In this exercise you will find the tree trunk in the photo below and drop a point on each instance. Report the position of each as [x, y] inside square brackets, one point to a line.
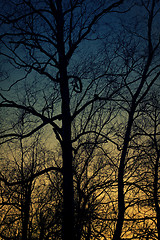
[121, 203]
[25, 210]
[68, 193]
[155, 193]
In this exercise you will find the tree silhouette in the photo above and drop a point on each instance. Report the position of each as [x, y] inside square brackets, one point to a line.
[82, 71]
[142, 62]
[42, 37]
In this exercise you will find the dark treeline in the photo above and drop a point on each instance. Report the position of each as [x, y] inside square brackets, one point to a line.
[80, 119]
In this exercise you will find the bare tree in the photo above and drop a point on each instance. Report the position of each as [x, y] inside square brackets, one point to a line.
[41, 37]
[91, 182]
[139, 55]
[148, 134]
[48, 82]
[16, 199]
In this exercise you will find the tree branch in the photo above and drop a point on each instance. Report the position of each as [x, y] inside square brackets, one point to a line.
[31, 178]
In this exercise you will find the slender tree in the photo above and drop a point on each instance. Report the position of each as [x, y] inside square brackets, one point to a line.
[143, 71]
[148, 129]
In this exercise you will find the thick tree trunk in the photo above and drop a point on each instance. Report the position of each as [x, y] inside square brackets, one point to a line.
[68, 193]
[25, 211]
